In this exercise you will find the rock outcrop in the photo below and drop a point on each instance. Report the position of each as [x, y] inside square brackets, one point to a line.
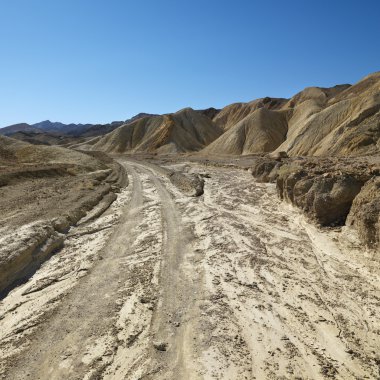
[189, 183]
[265, 169]
[365, 212]
[331, 191]
[326, 198]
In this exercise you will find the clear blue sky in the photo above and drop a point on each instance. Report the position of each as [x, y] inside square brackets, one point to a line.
[104, 60]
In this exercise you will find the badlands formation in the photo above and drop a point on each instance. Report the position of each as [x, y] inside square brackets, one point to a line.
[240, 243]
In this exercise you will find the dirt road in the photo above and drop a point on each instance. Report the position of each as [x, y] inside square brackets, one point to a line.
[230, 285]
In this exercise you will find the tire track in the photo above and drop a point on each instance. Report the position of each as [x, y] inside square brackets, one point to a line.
[180, 288]
[58, 349]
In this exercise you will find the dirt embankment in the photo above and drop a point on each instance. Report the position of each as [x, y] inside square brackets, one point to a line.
[39, 202]
[332, 191]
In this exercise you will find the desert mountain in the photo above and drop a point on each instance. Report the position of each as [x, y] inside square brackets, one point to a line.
[342, 120]
[234, 113]
[59, 131]
[184, 131]
[72, 128]
[20, 127]
[45, 126]
[261, 131]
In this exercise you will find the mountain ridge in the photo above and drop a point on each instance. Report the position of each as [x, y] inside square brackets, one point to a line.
[339, 120]
[72, 129]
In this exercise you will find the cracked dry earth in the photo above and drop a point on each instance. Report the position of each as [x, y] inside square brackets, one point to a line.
[230, 285]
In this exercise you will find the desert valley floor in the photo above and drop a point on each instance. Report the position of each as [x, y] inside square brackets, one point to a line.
[233, 284]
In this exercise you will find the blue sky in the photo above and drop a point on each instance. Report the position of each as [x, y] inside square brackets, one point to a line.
[103, 60]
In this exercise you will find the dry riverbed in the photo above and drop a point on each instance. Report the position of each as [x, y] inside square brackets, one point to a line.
[233, 284]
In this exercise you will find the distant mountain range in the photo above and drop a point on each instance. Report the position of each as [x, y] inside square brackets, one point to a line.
[73, 130]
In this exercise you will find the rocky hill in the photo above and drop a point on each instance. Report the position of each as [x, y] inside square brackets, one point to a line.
[260, 131]
[20, 127]
[184, 131]
[234, 113]
[342, 120]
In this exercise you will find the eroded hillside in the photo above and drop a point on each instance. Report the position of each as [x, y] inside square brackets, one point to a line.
[43, 192]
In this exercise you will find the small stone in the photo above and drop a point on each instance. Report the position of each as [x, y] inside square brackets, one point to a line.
[144, 299]
[160, 346]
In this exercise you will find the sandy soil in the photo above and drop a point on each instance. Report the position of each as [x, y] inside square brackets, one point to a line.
[230, 285]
